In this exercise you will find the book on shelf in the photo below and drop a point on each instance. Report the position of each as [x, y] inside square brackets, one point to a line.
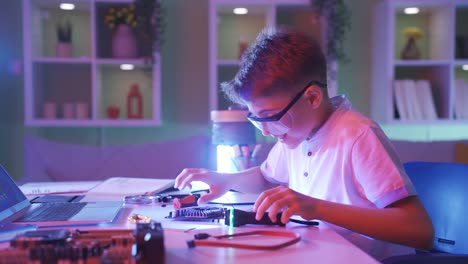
[424, 92]
[414, 100]
[400, 100]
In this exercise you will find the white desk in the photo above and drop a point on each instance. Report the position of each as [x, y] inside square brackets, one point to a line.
[319, 244]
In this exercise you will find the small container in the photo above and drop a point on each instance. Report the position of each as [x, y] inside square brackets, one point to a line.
[231, 127]
[49, 110]
[82, 111]
[232, 134]
[68, 110]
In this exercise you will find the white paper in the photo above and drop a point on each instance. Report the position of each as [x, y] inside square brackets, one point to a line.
[128, 186]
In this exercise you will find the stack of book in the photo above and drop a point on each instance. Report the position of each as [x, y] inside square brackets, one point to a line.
[414, 100]
[461, 99]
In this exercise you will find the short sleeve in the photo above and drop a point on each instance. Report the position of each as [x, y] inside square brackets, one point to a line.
[274, 168]
[378, 169]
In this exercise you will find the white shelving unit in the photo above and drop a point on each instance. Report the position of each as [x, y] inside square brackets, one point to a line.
[227, 29]
[443, 22]
[91, 77]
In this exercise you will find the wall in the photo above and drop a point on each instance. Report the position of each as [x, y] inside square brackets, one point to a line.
[184, 80]
[184, 86]
[354, 77]
[11, 87]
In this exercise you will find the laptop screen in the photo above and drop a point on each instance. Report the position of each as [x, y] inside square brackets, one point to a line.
[12, 198]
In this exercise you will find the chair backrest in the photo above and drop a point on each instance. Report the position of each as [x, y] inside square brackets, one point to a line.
[443, 190]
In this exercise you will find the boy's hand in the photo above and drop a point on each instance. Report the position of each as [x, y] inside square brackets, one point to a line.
[215, 180]
[283, 199]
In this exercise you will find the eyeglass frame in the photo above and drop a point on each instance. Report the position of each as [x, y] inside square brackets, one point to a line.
[280, 114]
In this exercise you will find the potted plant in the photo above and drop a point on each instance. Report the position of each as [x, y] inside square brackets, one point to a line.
[411, 50]
[338, 18]
[64, 48]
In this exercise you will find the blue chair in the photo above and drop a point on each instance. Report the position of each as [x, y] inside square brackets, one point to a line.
[443, 190]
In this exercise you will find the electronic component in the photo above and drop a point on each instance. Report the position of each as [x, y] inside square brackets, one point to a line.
[149, 243]
[236, 217]
[196, 213]
[231, 216]
[29, 238]
[145, 244]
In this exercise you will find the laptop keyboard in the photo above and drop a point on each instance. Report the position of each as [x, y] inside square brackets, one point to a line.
[52, 212]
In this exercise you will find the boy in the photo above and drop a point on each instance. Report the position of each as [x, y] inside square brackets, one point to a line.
[330, 162]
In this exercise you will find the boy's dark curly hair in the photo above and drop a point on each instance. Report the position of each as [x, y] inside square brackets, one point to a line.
[277, 62]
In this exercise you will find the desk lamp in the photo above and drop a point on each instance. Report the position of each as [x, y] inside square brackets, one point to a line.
[234, 137]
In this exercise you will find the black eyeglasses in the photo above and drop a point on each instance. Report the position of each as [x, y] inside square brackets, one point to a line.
[281, 113]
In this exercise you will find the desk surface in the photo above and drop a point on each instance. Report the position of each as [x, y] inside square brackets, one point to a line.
[319, 244]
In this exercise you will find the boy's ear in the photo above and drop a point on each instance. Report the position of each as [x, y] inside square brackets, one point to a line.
[314, 96]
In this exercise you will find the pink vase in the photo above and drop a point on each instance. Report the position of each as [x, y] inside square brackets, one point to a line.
[124, 42]
[64, 50]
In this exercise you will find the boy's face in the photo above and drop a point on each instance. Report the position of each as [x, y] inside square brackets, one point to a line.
[289, 118]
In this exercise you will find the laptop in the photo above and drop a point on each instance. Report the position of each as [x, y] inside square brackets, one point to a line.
[16, 208]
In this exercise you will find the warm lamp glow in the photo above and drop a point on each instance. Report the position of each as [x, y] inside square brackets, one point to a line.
[67, 6]
[240, 11]
[223, 159]
[465, 67]
[411, 10]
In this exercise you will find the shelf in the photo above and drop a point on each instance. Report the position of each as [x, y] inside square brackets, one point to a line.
[62, 60]
[433, 20]
[437, 62]
[422, 63]
[115, 85]
[77, 89]
[227, 31]
[93, 123]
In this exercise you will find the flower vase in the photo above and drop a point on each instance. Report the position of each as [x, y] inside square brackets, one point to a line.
[411, 50]
[124, 42]
[64, 50]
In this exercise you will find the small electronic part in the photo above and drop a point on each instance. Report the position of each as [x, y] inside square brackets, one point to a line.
[138, 218]
[235, 217]
[149, 243]
[197, 213]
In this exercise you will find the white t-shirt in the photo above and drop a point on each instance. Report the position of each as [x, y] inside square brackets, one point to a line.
[350, 161]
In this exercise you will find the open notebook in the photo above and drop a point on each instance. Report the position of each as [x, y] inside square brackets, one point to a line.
[16, 208]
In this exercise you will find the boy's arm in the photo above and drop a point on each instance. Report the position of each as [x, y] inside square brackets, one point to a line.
[403, 222]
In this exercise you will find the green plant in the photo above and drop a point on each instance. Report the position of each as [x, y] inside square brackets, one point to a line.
[64, 32]
[338, 17]
[151, 23]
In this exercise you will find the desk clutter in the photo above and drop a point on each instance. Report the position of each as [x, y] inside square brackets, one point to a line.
[145, 244]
